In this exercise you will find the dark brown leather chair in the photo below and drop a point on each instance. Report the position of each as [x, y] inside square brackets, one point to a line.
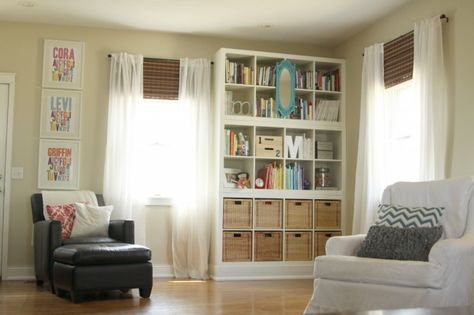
[76, 264]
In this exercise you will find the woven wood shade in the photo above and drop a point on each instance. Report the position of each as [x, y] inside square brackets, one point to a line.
[160, 79]
[398, 60]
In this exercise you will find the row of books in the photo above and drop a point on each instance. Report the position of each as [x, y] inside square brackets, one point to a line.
[266, 75]
[327, 110]
[303, 109]
[266, 107]
[294, 177]
[238, 73]
[328, 80]
[272, 176]
[304, 79]
[236, 143]
[241, 73]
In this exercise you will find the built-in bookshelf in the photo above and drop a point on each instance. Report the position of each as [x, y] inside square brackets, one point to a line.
[283, 177]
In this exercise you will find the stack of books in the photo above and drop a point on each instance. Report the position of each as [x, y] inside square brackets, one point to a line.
[304, 79]
[328, 80]
[266, 75]
[238, 73]
[294, 176]
[272, 176]
[266, 107]
[327, 110]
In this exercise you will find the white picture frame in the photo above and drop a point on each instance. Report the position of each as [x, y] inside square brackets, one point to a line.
[63, 64]
[230, 177]
[61, 114]
[58, 164]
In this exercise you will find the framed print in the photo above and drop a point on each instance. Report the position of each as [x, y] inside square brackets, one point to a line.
[61, 114]
[230, 177]
[58, 164]
[63, 64]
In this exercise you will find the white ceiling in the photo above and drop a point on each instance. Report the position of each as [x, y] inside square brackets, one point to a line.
[322, 22]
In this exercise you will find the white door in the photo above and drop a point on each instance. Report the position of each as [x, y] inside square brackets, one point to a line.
[4, 89]
[7, 86]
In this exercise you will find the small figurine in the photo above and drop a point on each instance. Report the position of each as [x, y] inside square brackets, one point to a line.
[243, 180]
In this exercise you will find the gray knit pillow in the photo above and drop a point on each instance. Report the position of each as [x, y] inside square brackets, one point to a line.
[399, 243]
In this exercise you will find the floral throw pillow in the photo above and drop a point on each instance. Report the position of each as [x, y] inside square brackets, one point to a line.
[66, 214]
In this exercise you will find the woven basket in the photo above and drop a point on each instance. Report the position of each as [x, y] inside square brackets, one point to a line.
[298, 246]
[328, 214]
[299, 214]
[320, 239]
[237, 214]
[237, 246]
[268, 246]
[268, 213]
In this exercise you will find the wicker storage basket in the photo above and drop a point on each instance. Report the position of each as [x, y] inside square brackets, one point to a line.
[320, 239]
[298, 246]
[237, 214]
[268, 246]
[299, 214]
[237, 246]
[328, 214]
[268, 213]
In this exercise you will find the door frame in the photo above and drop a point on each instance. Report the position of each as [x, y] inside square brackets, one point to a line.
[7, 78]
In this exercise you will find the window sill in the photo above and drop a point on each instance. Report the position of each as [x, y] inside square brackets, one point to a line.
[159, 201]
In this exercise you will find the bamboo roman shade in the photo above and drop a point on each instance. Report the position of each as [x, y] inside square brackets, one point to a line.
[398, 60]
[160, 78]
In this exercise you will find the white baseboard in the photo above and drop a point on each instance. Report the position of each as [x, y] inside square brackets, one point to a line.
[262, 271]
[28, 273]
[221, 272]
[163, 271]
[19, 273]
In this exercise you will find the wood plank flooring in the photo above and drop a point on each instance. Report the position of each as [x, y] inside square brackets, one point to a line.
[168, 297]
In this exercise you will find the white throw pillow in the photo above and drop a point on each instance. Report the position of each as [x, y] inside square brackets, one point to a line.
[91, 220]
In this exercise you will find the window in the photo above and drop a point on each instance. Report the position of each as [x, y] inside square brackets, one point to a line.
[157, 150]
[402, 123]
[402, 113]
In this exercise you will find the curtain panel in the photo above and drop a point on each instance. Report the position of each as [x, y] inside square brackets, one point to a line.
[191, 211]
[125, 92]
[369, 182]
[429, 77]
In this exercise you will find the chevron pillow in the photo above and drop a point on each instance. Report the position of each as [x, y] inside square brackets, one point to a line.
[408, 217]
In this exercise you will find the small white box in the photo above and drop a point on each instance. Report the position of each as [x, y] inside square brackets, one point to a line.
[325, 155]
[324, 145]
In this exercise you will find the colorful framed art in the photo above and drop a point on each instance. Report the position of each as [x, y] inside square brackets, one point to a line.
[61, 114]
[63, 64]
[58, 164]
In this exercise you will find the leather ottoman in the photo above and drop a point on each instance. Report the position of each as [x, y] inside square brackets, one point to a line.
[82, 268]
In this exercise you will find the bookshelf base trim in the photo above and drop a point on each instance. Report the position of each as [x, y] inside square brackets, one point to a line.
[261, 271]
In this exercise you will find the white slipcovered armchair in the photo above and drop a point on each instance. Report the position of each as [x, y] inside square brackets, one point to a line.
[344, 281]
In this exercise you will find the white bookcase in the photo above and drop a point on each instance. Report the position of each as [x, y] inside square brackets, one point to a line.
[306, 214]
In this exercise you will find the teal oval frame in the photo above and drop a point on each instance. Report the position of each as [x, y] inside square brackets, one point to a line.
[285, 111]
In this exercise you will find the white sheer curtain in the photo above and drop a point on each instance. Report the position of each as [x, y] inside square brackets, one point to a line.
[369, 182]
[191, 213]
[125, 91]
[430, 85]
[376, 165]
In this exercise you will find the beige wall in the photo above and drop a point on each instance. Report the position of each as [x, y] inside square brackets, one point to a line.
[459, 52]
[21, 52]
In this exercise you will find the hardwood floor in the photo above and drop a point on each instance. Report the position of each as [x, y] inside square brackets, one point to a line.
[168, 297]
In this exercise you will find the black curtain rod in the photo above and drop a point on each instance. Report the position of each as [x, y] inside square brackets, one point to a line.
[110, 55]
[441, 17]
